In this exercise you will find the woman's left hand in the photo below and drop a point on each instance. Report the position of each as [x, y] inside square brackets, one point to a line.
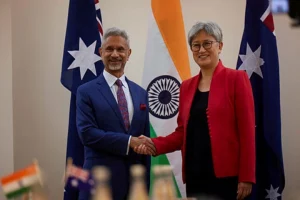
[244, 189]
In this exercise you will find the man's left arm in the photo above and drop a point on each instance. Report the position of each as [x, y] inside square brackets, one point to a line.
[147, 158]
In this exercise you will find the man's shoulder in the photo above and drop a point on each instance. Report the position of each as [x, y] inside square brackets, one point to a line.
[90, 85]
[136, 86]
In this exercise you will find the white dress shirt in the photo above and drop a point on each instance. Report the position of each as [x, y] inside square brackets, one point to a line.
[111, 80]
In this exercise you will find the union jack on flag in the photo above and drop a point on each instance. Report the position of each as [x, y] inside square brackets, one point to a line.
[78, 178]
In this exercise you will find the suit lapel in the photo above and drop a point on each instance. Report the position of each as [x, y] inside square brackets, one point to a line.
[215, 86]
[135, 100]
[190, 96]
[107, 94]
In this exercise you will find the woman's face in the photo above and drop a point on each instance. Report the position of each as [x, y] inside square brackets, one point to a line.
[206, 50]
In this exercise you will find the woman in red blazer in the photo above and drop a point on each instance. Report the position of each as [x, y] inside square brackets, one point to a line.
[216, 126]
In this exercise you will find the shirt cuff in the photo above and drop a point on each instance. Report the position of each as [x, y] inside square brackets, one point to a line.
[128, 145]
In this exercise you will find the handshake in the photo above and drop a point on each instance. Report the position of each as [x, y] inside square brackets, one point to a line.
[143, 145]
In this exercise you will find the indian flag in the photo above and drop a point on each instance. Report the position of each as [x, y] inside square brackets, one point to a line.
[21, 181]
[166, 66]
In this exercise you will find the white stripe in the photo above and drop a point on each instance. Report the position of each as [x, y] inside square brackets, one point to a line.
[21, 183]
[30, 180]
[10, 187]
[266, 13]
[97, 6]
[101, 37]
[98, 20]
[158, 62]
[100, 34]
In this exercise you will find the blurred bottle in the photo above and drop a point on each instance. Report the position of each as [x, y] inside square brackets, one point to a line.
[170, 185]
[138, 189]
[159, 189]
[163, 188]
[101, 176]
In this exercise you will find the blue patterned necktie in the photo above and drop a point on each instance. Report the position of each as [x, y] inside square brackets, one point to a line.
[122, 103]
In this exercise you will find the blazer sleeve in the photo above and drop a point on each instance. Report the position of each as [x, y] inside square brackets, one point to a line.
[245, 114]
[91, 135]
[173, 141]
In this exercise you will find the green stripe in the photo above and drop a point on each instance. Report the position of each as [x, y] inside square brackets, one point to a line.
[17, 193]
[160, 160]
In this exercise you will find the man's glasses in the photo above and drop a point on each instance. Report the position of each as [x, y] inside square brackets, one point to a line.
[206, 45]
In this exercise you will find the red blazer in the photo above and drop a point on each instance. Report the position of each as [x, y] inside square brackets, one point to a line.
[231, 123]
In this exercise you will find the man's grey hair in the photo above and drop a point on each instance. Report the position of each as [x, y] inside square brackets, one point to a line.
[115, 32]
[210, 28]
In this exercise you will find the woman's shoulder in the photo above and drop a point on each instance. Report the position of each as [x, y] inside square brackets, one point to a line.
[233, 72]
[190, 81]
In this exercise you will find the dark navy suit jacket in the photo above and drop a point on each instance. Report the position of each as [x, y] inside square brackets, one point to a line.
[102, 131]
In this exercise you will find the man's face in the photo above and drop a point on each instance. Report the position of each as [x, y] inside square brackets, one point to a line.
[115, 53]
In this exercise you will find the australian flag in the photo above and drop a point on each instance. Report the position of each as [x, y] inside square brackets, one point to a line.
[81, 63]
[78, 178]
[259, 58]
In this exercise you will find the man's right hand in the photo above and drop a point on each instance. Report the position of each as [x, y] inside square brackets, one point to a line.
[143, 145]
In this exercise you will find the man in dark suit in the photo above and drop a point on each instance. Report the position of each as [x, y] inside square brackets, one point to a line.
[112, 112]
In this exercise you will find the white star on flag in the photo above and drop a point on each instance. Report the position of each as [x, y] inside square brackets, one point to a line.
[272, 193]
[252, 62]
[85, 58]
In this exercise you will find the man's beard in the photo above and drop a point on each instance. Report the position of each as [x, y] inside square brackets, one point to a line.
[115, 67]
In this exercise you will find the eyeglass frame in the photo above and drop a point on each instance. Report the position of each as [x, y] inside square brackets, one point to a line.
[210, 42]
